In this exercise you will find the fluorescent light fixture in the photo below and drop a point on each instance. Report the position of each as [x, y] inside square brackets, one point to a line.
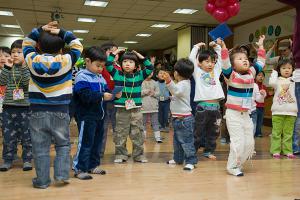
[160, 25]
[10, 26]
[80, 31]
[95, 3]
[185, 11]
[6, 13]
[83, 19]
[130, 42]
[15, 35]
[143, 35]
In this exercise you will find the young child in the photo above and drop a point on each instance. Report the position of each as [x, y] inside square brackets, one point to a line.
[129, 116]
[15, 76]
[90, 91]
[260, 103]
[50, 92]
[240, 75]
[284, 109]
[164, 102]
[150, 94]
[208, 117]
[4, 59]
[183, 120]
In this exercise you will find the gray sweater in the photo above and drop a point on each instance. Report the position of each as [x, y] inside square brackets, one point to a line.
[180, 100]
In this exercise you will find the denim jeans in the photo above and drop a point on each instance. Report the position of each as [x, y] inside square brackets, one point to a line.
[260, 121]
[163, 113]
[110, 117]
[89, 144]
[254, 117]
[44, 126]
[183, 142]
[296, 137]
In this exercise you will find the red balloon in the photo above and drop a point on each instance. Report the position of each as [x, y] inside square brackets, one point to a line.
[221, 15]
[230, 2]
[210, 8]
[221, 3]
[234, 9]
[211, 1]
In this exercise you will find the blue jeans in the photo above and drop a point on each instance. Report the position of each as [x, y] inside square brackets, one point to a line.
[260, 121]
[296, 146]
[110, 116]
[43, 126]
[183, 142]
[163, 113]
[254, 117]
[89, 144]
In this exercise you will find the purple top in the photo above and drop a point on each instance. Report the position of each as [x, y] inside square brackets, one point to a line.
[296, 41]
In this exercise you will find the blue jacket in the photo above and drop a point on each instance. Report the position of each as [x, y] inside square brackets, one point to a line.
[88, 94]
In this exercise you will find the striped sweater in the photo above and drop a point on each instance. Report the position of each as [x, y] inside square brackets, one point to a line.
[240, 86]
[133, 82]
[50, 86]
[11, 78]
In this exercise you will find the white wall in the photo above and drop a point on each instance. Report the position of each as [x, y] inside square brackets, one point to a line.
[284, 19]
[7, 41]
[184, 43]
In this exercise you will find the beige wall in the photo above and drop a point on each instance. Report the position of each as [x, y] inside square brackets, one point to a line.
[184, 43]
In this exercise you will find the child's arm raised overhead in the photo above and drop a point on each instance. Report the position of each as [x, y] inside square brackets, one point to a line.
[4, 75]
[273, 60]
[261, 56]
[109, 63]
[226, 65]
[147, 63]
[217, 49]
[193, 54]
[273, 79]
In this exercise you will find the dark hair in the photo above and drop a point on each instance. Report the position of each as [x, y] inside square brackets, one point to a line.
[262, 73]
[5, 49]
[246, 48]
[108, 45]
[130, 56]
[234, 52]
[284, 62]
[203, 55]
[94, 53]
[184, 67]
[50, 43]
[16, 44]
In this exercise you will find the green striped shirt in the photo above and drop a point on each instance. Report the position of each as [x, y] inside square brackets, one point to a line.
[132, 83]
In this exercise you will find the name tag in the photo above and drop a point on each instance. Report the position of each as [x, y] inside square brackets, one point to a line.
[162, 98]
[130, 104]
[18, 94]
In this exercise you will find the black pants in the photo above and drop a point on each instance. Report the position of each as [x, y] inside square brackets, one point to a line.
[207, 128]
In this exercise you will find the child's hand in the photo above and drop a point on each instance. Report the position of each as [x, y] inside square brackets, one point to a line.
[260, 42]
[107, 96]
[54, 31]
[50, 25]
[166, 76]
[117, 51]
[153, 59]
[9, 62]
[138, 55]
[263, 92]
[151, 93]
[118, 95]
[221, 43]
[201, 44]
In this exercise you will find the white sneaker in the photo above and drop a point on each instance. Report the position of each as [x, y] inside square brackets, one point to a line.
[119, 161]
[171, 162]
[235, 172]
[189, 167]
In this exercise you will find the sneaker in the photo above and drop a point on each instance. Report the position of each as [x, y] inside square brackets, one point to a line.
[290, 156]
[235, 171]
[223, 141]
[171, 162]
[119, 160]
[5, 166]
[143, 160]
[189, 167]
[260, 135]
[158, 140]
[27, 166]
[296, 153]
[97, 170]
[83, 176]
[276, 156]
[36, 185]
[61, 181]
[210, 156]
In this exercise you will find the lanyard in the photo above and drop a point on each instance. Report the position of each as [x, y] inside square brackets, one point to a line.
[14, 78]
[131, 87]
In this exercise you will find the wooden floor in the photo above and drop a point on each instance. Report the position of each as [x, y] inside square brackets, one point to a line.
[264, 178]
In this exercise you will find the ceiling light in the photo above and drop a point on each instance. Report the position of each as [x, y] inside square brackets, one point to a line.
[96, 3]
[10, 26]
[82, 19]
[15, 35]
[185, 11]
[143, 35]
[80, 31]
[6, 13]
[130, 42]
[160, 25]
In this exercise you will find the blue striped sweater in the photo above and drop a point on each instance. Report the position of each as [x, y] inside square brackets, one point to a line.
[50, 86]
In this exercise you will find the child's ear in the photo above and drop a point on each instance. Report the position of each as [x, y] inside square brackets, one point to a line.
[87, 60]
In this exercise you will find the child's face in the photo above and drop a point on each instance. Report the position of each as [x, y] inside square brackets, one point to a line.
[260, 77]
[286, 70]
[3, 58]
[207, 65]
[241, 63]
[128, 66]
[95, 66]
[160, 75]
[17, 56]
